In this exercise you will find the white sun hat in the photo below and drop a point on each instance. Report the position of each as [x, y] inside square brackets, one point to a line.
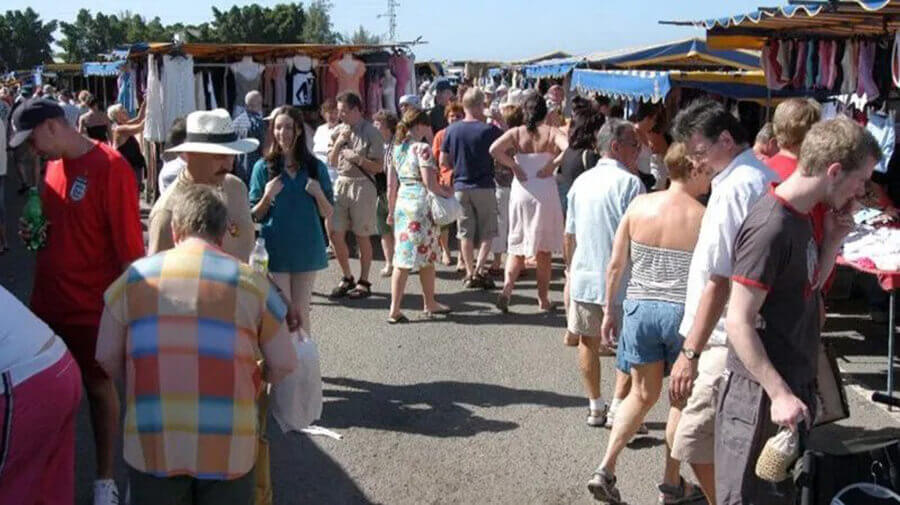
[211, 132]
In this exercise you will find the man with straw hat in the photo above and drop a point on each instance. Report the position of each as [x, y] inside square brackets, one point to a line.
[209, 149]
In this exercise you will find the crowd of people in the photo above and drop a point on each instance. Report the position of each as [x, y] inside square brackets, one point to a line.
[660, 225]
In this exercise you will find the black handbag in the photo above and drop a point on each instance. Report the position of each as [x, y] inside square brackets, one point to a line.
[820, 476]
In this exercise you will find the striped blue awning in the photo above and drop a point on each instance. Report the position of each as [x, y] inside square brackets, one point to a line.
[101, 68]
[845, 18]
[551, 68]
[643, 85]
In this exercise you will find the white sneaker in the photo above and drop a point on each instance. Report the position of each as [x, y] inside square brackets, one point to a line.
[611, 417]
[597, 417]
[106, 492]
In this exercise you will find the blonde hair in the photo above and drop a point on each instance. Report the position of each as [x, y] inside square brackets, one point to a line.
[113, 111]
[677, 162]
[473, 98]
[792, 120]
[837, 141]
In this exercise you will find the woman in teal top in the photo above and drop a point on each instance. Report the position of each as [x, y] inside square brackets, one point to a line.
[290, 191]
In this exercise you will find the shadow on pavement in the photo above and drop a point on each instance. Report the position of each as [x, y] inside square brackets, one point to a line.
[432, 409]
[304, 474]
[838, 439]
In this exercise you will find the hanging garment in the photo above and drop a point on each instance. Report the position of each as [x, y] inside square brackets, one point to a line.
[153, 124]
[810, 79]
[771, 67]
[389, 92]
[279, 76]
[247, 77]
[783, 57]
[126, 91]
[787, 71]
[822, 53]
[895, 60]
[881, 69]
[200, 92]
[210, 92]
[866, 83]
[373, 95]
[178, 89]
[349, 73]
[848, 68]
[400, 68]
[882, 127]
[799, 78]
[302, 91]
[268, 86]
[302, 63]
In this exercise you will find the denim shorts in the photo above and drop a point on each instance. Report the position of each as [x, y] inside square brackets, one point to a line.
[650, 333]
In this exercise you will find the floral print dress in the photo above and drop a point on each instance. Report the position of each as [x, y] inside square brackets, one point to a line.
[414, 232]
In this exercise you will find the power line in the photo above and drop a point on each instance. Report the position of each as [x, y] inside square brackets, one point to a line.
[391, 15]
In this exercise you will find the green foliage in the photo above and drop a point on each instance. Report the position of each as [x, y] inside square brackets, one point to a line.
[24, 40]
[362, 37]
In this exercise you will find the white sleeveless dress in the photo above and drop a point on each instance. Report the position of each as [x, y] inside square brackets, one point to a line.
[535, 214]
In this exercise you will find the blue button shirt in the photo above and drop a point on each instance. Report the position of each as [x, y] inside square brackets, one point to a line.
[292, 228]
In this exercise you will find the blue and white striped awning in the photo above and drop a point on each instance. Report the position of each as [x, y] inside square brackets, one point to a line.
[552, 68]
[643, 85]
[101, 68]
[843, 18]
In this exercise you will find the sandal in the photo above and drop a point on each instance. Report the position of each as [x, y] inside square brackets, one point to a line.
[343, 288]
[363, 289]
[674, 495]
[430, 314]
[398, 320]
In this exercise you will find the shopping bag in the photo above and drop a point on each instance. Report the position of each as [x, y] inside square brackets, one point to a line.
[444, 210]
[296, 400]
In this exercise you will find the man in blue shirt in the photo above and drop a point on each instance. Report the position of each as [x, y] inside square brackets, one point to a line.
[596, 203]
[466, 148]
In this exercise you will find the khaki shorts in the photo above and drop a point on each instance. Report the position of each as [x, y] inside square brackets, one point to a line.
[479, 218]
[355, 201]
[584, 319]
[695, 436]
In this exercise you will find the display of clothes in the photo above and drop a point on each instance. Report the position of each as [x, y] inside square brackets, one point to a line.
[882, 127]
[247, 77]
[127, 96]
[303, 80]
[154, 130]
[389, 92]
[853, 66]
[348, 73]
[274, 84]
[178, 95]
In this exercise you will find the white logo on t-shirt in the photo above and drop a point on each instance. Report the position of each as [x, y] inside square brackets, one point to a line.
[79, 189]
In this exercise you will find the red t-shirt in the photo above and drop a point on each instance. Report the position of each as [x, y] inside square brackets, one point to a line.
[784, 166]
[95, 232]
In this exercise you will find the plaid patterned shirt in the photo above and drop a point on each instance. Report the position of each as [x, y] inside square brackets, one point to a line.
[195, 319]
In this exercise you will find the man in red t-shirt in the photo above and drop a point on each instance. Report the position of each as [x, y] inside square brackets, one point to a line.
[90, 201]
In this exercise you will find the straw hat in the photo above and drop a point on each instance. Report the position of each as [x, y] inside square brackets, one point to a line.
[212, 132]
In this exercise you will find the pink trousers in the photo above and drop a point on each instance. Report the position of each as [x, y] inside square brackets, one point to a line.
[37, 436]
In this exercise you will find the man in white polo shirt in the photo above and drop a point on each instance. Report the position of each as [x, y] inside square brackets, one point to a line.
[715, 140]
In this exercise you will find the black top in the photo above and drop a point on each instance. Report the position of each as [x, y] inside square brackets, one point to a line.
[438, 121]
[574, 163]
[99, 132]
[131, 151]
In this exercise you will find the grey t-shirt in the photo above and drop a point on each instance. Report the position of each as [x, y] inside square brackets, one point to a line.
[775, 251]
[368, 142]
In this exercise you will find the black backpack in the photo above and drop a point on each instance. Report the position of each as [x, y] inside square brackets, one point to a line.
[820, 476]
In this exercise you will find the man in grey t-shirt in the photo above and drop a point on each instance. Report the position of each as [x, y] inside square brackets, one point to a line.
[773, 314]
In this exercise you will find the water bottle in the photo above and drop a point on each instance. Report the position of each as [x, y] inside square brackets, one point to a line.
[259, 258]
[33, 215]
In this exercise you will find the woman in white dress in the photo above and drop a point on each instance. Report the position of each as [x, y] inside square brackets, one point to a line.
[535, 214]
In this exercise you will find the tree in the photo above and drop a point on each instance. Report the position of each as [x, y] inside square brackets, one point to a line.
[282, 24]
[317, 28]
[363, 37]
[26, 40]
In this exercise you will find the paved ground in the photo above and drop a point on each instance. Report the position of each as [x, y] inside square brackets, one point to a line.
[475, 408]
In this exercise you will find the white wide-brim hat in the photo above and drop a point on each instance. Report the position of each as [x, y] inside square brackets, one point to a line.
[211, 132]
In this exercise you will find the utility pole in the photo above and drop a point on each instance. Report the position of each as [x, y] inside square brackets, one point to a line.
[391, 14]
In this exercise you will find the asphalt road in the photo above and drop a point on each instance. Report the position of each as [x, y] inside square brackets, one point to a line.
[474, 408]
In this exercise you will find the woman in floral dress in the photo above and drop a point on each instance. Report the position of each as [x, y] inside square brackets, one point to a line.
[412, 174]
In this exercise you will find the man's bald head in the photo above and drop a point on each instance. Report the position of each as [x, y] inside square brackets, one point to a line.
[254, 101]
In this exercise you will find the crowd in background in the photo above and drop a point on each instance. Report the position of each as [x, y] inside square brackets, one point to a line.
[658, 222]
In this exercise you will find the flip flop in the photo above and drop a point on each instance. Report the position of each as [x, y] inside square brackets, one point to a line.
[398, 320]
[440, 312]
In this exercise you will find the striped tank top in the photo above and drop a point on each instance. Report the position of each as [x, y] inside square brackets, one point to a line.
[658, 273]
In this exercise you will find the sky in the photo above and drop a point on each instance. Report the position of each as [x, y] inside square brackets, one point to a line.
[483, 30]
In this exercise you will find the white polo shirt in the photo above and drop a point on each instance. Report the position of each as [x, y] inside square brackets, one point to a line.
[734, 190]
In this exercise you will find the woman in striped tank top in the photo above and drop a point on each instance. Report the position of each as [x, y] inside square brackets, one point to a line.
[651, 256]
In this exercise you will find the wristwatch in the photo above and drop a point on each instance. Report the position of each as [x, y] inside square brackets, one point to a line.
[690, 353]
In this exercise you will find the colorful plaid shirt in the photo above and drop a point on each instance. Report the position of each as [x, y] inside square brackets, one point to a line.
[195, 319]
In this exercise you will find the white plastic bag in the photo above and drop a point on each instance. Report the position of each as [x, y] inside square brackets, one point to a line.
[296, 401]
[444, 210]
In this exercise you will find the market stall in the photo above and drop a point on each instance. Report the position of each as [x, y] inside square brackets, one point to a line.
[843, 53]
[178, 79]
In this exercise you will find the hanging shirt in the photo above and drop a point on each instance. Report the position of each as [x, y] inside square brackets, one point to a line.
[178, 90]
[349, 73]
[302, 91]
[153, 124]
[247, 77]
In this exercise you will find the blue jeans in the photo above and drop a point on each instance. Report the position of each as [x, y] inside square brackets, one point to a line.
[650, 333]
